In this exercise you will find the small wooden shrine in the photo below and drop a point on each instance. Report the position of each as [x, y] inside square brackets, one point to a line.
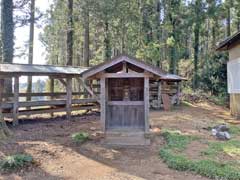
[124, 97]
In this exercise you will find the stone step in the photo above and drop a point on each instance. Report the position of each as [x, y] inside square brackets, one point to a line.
[130, 138]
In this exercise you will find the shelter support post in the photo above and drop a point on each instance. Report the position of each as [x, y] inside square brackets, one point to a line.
[103, 102]
[69, 97]
[52, 91]
[159, 95]
[2, 122]
[146, 103]
[1, 97]
[178, 92]
[16, 100]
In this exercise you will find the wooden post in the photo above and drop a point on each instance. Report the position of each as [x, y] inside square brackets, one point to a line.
[178, 92]
[159, 95]
[146, 103]
[125, 70]
[15, 100]
[103, 102]
[69, 97]
[52, 91]
[1, 92]
[4, 131]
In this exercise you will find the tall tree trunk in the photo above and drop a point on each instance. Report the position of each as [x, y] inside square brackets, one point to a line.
[228, 20]
[237, 9]
[86, 54]
[172, 67]
[196, 43]
[140, 23]
[70, 33]
[196, 54]
[123, 29]
[7, 35]
[173, 57]
[107, 47]
[31, 41]
[213, 36]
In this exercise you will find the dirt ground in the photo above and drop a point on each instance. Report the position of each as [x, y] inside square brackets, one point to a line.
[57, 157]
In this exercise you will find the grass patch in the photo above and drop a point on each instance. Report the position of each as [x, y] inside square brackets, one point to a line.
[16, 161]
[232, 148]
[171, 155]
[176, 140]
[80, 137]
[218, 100]
[234, 130]
[187, 104]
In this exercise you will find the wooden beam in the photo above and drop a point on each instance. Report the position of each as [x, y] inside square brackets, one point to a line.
[125, 75]
[125, 67]
[80, 80]
[16, 100]
[55, 94]
[103, 102]
[125, 103]
[123, 58]
[146, 103]
[63, 82]
[69, 97]
[48, 110]
[2, 76]
[58, 102]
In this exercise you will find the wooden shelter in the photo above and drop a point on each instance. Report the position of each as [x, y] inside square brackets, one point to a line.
[124, 99]
[124, 87]
[68, 101]
[232, 45]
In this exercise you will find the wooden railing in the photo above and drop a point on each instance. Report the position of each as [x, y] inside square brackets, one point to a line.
[48, 106]
[47, 94]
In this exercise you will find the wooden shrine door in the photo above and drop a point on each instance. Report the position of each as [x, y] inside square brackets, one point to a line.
[125, 104]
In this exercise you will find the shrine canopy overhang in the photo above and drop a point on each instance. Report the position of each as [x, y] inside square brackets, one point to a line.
[124, 66]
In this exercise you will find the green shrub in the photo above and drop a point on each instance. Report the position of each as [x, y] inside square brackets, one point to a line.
[80, 137]
[15, 161]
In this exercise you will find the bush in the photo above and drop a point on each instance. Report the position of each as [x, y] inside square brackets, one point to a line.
[80, 137]
[15, 161]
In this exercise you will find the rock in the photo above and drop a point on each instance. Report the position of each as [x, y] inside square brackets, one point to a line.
[221, 132]
[222, 128]
[223, 135]
[214, 132]
[92, 128]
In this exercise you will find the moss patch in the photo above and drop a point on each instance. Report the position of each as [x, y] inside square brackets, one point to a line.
[172, 156]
